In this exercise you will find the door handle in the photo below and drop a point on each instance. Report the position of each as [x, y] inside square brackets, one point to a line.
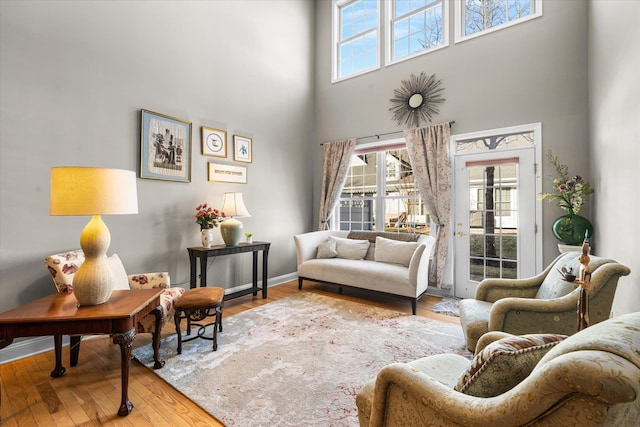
[460, 234]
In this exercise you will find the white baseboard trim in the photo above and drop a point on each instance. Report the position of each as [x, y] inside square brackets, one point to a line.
[32, 346]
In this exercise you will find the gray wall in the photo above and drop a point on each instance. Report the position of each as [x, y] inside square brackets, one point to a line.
[534, 72]
[614, 113]
[73, 78]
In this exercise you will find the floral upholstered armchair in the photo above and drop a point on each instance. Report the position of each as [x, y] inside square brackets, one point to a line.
[545, 303]
[63, 266]
[591, 378]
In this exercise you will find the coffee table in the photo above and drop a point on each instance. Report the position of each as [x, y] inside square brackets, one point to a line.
[59, 315]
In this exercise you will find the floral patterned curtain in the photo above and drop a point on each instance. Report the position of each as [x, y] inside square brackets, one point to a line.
[337, 155]
[428, 149]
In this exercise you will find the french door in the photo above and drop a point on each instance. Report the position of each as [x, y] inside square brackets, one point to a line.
[494, 217]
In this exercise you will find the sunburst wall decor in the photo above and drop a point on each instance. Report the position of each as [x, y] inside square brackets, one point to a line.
[416, 100]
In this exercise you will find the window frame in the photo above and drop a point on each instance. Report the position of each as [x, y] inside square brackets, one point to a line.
[336, 23]
[389, 36]
[459, 22]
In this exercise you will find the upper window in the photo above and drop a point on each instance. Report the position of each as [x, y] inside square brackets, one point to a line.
[478, 17]
[416, 27]
[356, 37]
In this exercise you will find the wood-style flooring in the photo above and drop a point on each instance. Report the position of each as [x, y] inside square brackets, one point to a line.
[89, 394]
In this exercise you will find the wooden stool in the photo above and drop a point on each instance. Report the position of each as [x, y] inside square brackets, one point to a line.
[195, 305]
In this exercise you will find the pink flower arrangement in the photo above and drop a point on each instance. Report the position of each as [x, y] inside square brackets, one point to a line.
[570, 192]
[208, 217]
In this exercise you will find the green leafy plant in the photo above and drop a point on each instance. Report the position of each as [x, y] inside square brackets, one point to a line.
[248, 234]
[569, 192]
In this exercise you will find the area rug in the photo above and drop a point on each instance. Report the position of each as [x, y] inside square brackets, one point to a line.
[298, 361]
[449, 306]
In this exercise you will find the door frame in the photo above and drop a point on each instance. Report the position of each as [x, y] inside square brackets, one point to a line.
[536, 128]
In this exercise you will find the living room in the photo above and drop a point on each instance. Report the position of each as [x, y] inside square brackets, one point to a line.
[75, 75]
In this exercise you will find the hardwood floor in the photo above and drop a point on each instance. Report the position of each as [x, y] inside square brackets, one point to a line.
[89, 394]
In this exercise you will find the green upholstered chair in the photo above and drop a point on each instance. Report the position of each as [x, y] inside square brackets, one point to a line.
[545, 303]
[589, 379]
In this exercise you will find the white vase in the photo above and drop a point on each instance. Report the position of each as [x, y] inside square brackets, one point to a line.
[207, 237]
[249, 239]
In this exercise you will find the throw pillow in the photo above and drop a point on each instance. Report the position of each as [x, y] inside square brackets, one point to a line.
[503, 364]
[327, 249]
[394, 251]
[350, 248]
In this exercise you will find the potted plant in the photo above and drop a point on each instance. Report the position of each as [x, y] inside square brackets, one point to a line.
[570, 193]
[249, 237]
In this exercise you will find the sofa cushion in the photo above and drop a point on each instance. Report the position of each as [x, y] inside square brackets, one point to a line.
[350, 248]
[394, 251]
[327, 249]
[503, 364]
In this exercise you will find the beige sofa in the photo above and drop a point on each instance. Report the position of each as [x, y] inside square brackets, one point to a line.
[591, 378]
[398, 264]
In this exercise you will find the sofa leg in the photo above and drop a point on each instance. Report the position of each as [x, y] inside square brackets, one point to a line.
[414, 306]
[300, 279]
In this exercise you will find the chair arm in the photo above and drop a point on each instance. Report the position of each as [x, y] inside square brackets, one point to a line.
[149, 280]
[307, 243]
[492, 290]
[408, 397]
[530, 315]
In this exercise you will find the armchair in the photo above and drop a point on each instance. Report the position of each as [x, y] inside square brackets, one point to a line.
[545, 303]
[63, 266]
[591, 378]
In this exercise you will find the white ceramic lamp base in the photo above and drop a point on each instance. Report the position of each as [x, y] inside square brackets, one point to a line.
[231, 231]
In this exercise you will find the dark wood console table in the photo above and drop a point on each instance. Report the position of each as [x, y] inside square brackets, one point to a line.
[59, 314]
[218, 250]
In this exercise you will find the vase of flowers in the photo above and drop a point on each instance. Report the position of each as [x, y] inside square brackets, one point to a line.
[570, 193]
[208, 218]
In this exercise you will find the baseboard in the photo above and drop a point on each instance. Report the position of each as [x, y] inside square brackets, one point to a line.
[32, 346]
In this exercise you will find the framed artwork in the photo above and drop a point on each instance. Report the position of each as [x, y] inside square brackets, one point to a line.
[227, 173]
[242, 149]
[165, 147]
[214, 142]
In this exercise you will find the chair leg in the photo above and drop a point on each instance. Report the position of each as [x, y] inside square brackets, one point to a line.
[176, 319]
[300, 279]
[74, 349]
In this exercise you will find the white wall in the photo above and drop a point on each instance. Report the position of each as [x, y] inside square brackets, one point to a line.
[73, 78]
[614, 117]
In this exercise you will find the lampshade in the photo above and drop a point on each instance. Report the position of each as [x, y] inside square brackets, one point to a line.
[233, 206]
[231, 229]
[92, 191]
[95, 192]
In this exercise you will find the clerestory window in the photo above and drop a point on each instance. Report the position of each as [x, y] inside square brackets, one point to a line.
[478, 17]
[415, 27]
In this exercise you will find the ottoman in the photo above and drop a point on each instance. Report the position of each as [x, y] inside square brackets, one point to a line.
[195, 305]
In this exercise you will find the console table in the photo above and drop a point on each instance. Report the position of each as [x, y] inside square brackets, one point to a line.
[219, 250]
[59, 314]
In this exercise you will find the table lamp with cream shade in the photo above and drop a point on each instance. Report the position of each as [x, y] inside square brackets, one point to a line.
[78, 190]
[231, 229]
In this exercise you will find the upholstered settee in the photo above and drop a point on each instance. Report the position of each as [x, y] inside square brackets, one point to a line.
[392, 263]
[591, 378]
[542, 304]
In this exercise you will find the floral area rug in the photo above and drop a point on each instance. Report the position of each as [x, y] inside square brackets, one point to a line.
[298, 361]
[449, 306]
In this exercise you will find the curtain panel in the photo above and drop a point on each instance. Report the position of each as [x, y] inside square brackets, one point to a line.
[428, 149]
[337, 155]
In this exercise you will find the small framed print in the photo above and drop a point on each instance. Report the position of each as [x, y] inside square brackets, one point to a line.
[165, 147]
[242, 149]
[214, 142]
[227, 173]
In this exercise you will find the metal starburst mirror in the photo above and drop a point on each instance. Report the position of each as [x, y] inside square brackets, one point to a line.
[416, 100]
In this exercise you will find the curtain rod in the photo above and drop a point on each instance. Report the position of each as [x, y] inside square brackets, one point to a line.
[378, 135]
